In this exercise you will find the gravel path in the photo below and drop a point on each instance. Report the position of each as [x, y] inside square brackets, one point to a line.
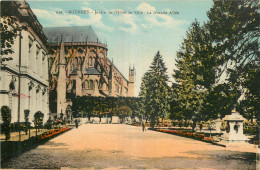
[116, 146]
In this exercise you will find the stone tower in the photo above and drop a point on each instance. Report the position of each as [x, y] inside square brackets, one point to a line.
[61, 84]
[131, 83]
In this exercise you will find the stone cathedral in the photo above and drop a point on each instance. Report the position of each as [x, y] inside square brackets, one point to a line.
[79, 66]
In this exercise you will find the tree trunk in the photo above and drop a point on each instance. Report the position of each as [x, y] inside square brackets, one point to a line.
[7, 135]
[193, 126]
[89, 117]
[152, 122]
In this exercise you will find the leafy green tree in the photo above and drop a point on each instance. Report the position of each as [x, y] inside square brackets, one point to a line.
[9, 27]
[84, 104]
[195, 74]
[249, 107]
[134, 104]
[124, 111]
[38, 120]
[101, 107]
[6, 117]
[26, 118]
[226, 47]
[155, 91]
[7, 33]
[234, 28]
[220, 101]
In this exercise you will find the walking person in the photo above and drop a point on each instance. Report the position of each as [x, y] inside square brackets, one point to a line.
[76, 123]
[143, 126]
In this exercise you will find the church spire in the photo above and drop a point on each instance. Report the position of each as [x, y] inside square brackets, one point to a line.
[62, 53]
[131, 83]
[61, 84]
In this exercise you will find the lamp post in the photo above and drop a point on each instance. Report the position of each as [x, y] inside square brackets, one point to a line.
[19, 84]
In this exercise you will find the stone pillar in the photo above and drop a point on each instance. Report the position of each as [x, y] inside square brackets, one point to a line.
[45, 66]
[25, 49]
[32, 57]
[218, 125]
[40, 63]
[236, 128]
[61, 84]
[38, 98]
[31, 89]
[14, 110]
[96, 90]
[45, 105]
[24, 98]
[78, 84]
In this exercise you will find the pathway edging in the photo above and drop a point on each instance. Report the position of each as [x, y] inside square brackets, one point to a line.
[191, 137]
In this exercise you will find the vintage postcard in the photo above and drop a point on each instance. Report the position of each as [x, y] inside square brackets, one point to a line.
[130, 84]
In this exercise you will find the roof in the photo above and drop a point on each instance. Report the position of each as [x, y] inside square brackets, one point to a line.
[24, 14]
[92, 71]
[117, 69]
[70, 34]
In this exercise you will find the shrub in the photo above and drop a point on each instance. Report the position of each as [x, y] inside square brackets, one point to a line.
[26, 118]
[6, 117]
[38, 120]
[48, 124]
[180, 124]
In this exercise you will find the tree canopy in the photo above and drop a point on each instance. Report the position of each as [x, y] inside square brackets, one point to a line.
[218, 63]
[154, 91]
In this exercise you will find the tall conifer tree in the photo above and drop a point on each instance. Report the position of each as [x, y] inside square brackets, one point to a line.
[155, 91]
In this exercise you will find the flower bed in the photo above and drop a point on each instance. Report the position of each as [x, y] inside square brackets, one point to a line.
[11, 149]
[195, 135]
[52, 133]
[136, 124]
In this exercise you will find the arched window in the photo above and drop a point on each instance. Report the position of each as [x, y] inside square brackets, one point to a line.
[91, 84]
[93, 61]
[96, 82]
[87, 84]
[89, 61]
[101, 55]
[75, 63]
[74, 86]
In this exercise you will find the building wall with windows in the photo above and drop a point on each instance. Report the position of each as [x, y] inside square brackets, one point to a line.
[79, 66]
[30, 46]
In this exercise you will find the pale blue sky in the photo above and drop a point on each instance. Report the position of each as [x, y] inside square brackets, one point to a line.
[131, 38]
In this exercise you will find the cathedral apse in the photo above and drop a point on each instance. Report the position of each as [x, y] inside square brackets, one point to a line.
[79, 66]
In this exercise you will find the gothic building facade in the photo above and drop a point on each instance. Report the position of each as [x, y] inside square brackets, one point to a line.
[79, 66]
[24, 79]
